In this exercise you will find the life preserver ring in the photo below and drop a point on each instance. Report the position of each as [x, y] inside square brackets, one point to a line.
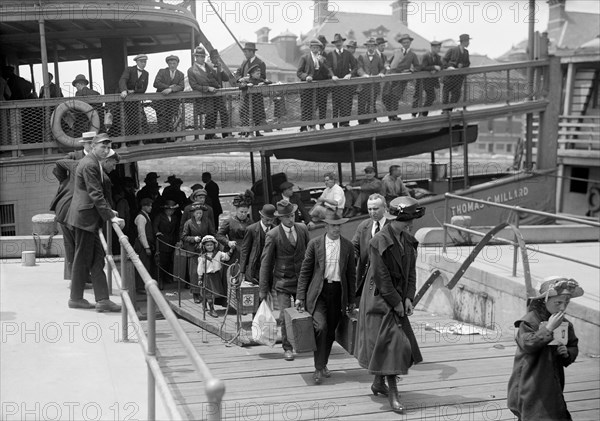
[594, 199]
[74, 105]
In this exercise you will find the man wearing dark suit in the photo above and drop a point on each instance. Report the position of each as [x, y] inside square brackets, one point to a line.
[430, 62]
[80, 83]
[204, 78]
[212, 194]
[166, 227]
[343, 64]
[250, 61]
[313, 66]
[135, 80]
[287, 192]
[369, 64]
[455, 58]
[89, 209]
[167, 81]
[254, 243]
[376, 207]
[280, 264]
[53, 90]
[326, 287]
[404, 60]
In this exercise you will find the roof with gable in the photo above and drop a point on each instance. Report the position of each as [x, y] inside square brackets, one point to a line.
[361, 25]
[267, 52]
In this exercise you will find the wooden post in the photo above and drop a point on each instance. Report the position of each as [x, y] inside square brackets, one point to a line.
[374, 153]
[548, 127]
[339, 173]
[90, 75]
[352, 161]
[252, 172]
[530, 79]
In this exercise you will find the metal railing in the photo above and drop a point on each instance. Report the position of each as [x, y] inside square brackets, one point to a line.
[28, 124]
[214, 387]
[515, 210]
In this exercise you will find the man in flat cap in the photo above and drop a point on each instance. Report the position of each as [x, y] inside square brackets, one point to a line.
[88, 211]
[167, 81]
[135, 80]
[343, 65]
[455, 58]
[430, 62]
[313, 66]
[404, 60]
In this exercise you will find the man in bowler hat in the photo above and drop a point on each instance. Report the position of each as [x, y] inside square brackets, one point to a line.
[250, 61]
[343, 65]
[254, 243]
[281, 262]
[326, 288]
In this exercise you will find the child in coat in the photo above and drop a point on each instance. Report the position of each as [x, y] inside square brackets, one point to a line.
[546, 343]
[257, 115]
[209, 271]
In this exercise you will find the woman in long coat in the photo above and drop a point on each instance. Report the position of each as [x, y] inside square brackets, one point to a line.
[386, 344]
[194, 230]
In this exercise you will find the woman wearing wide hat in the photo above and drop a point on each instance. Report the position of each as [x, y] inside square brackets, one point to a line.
[386, 344]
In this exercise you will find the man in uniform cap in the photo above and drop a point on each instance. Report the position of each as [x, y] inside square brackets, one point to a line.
[455, 58]
[430, 62]
[87, 213]
[134, 80]
[168, 80]
[326, 288]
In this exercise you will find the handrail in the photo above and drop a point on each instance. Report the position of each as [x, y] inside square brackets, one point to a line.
[134, 117]
[214, 388]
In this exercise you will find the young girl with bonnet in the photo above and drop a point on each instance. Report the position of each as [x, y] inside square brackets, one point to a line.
[546, 343]
[209, 270]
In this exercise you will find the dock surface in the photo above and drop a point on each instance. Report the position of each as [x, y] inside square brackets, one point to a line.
[462, 377]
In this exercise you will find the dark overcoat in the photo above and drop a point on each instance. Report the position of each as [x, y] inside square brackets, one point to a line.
[89, 207]
[252, 247]
[390, 280]
[281, 262]
[360, 241]
[130, 81]
[535, 388]
[312, 274]
[65, 174]
[163, 80]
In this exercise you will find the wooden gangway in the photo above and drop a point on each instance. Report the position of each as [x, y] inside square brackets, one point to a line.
[462, 377]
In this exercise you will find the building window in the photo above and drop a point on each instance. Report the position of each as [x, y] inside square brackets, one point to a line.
[8, 226]
[509, 148]
[579, 186]
[500, 147]
[490, 147]
[481, 146]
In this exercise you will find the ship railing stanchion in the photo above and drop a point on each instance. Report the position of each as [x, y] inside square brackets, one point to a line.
[151, 351]
[515, 214]
[124, 288]
[107, 267]
[445, 222]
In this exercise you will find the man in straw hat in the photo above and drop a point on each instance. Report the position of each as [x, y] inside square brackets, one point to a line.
[430, 62]
[404, 60]
[86, 142]
[369, 64]
[88, 211]
[254, 243]
[385, 343]
[313, 66]
[455, 58]
[546, 343]
[204, 78]
[343, 65]
[326, 288]
[167, 81]
[280, 264]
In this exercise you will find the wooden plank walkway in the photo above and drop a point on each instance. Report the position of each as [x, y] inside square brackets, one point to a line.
[461, 378]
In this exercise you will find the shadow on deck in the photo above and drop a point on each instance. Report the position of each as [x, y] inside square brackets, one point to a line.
[462, 377]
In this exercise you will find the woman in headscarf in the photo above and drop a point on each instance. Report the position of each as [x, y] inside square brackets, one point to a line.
[386, 344]
[193, 231]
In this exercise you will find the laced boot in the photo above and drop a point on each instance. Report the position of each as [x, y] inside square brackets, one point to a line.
[395, 404]
[379, 386]
[211, 311]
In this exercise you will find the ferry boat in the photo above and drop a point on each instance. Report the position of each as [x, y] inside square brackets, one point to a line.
[33, 135]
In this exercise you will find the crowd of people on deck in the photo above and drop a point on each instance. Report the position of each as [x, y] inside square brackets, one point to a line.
[327, 276]
[318, 64]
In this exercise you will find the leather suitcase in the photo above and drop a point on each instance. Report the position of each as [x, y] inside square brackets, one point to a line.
[300, 330]
[346, 332]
